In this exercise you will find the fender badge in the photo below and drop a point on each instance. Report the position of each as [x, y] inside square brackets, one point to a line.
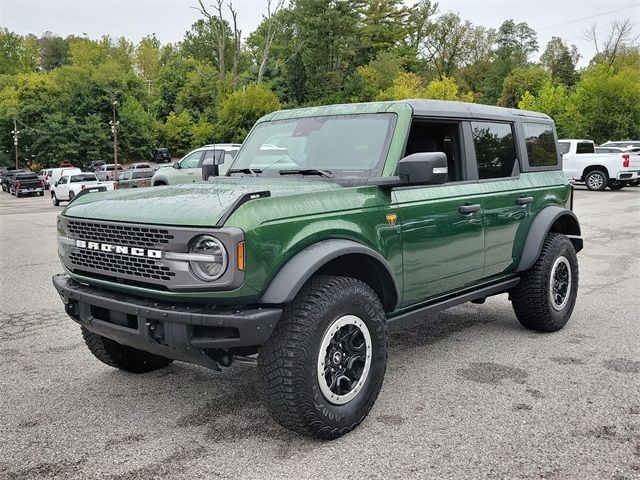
[392, 218]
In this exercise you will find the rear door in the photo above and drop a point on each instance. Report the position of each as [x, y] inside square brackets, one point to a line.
[511, 199]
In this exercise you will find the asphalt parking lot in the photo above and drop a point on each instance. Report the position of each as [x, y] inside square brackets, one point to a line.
[468, 392]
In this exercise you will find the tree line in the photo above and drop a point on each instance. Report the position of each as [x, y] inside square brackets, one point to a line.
[213, 85]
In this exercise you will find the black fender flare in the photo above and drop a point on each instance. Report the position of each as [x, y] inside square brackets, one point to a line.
[568, 224]
[295, 273]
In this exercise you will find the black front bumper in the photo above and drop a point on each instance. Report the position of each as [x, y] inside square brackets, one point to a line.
[188, 332]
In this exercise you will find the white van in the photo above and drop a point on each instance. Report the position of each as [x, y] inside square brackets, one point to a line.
[52, 175]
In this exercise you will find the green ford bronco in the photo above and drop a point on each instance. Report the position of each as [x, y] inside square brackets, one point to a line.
[332, 225]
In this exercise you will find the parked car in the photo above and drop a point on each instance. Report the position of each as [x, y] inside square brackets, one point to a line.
[610, 149]
[376, 216]
[94, 165]
[107, 172]
[54, 174]
[134, 179]
[8, 176]
[140, 166]
[598, 171]
[623, 144]
[25, 183]
[188, 170]
[66, 165]
[69, 186]
[160, 155]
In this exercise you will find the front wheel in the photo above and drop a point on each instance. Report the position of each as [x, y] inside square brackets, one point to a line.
[546, 294]
[596, 180]
[54, 199]
[322, 368]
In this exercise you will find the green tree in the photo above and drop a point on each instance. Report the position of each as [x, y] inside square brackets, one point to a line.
[135, 130]
[552, 100]
[606, 105]
[520, 80]
[54, 52]
[560, 61]
[296, 80]
[177, 132]
[383, 27]
[241, 110]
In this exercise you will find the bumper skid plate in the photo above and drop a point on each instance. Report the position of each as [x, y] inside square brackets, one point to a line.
[186, 332]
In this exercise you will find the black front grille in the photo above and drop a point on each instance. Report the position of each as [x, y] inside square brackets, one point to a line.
[120, 264]
[119, 234]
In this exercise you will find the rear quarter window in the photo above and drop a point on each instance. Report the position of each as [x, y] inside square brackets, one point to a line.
[585, 147]
[541, 145]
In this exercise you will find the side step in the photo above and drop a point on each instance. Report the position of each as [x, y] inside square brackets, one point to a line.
[448, 302]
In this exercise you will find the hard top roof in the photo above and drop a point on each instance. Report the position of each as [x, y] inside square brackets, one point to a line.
[420, 108]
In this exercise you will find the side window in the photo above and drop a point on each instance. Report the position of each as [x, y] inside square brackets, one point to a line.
[541, 145]
[191, 160]
[426, 136]
[495, 149]
[564, 147]
[585, 147]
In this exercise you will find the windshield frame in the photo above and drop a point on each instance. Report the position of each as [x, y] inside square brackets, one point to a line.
[272, 171]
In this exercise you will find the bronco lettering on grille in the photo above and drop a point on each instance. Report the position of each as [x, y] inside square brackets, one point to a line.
[106, 247]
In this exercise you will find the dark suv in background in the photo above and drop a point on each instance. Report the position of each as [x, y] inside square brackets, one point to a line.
[160, 155]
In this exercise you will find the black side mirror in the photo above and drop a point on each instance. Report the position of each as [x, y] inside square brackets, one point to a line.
[425, 168]
[176, 165]
[210, 165]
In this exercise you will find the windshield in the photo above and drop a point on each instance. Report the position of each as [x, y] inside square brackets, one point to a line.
[342, 145]
[83, 178]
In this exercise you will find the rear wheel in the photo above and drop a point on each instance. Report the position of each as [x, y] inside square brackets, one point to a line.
[42, 194]
[122, 357]
[546, 294]
[71, 196]
[322, 368]
[596, 180]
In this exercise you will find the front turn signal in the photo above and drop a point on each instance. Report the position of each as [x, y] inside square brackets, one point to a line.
[240, 256]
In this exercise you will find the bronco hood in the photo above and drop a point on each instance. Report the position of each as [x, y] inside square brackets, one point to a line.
[196, 204]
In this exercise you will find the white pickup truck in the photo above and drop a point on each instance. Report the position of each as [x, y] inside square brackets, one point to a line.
[70, 186]
[598, 170]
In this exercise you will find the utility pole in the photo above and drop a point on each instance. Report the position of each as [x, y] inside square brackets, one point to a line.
[15, 133]
[114, 131]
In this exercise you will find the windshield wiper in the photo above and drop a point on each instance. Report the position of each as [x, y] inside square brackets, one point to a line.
[252, 171]
[308, 171]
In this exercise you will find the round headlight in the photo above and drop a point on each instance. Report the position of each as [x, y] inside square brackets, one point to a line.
[214, 267]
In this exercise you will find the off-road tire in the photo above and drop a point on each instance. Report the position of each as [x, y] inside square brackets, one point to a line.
[594, 183]
[54, 199]
[288, 362]
[616, 185]
[120, 356]
[531, 298]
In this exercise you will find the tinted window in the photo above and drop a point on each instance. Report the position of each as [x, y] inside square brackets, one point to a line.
[495, 149]
[585, 147]
[27, 176]
[83, 178]
[541, 145]
[143, 174]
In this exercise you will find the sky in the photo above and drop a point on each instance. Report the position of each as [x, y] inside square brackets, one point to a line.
[169, 19]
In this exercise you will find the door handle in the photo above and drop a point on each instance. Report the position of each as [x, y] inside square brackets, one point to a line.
[524, 200]
[469, 209]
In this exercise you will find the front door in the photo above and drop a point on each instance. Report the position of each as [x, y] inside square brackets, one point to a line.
[442, 225]
[189, 171]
